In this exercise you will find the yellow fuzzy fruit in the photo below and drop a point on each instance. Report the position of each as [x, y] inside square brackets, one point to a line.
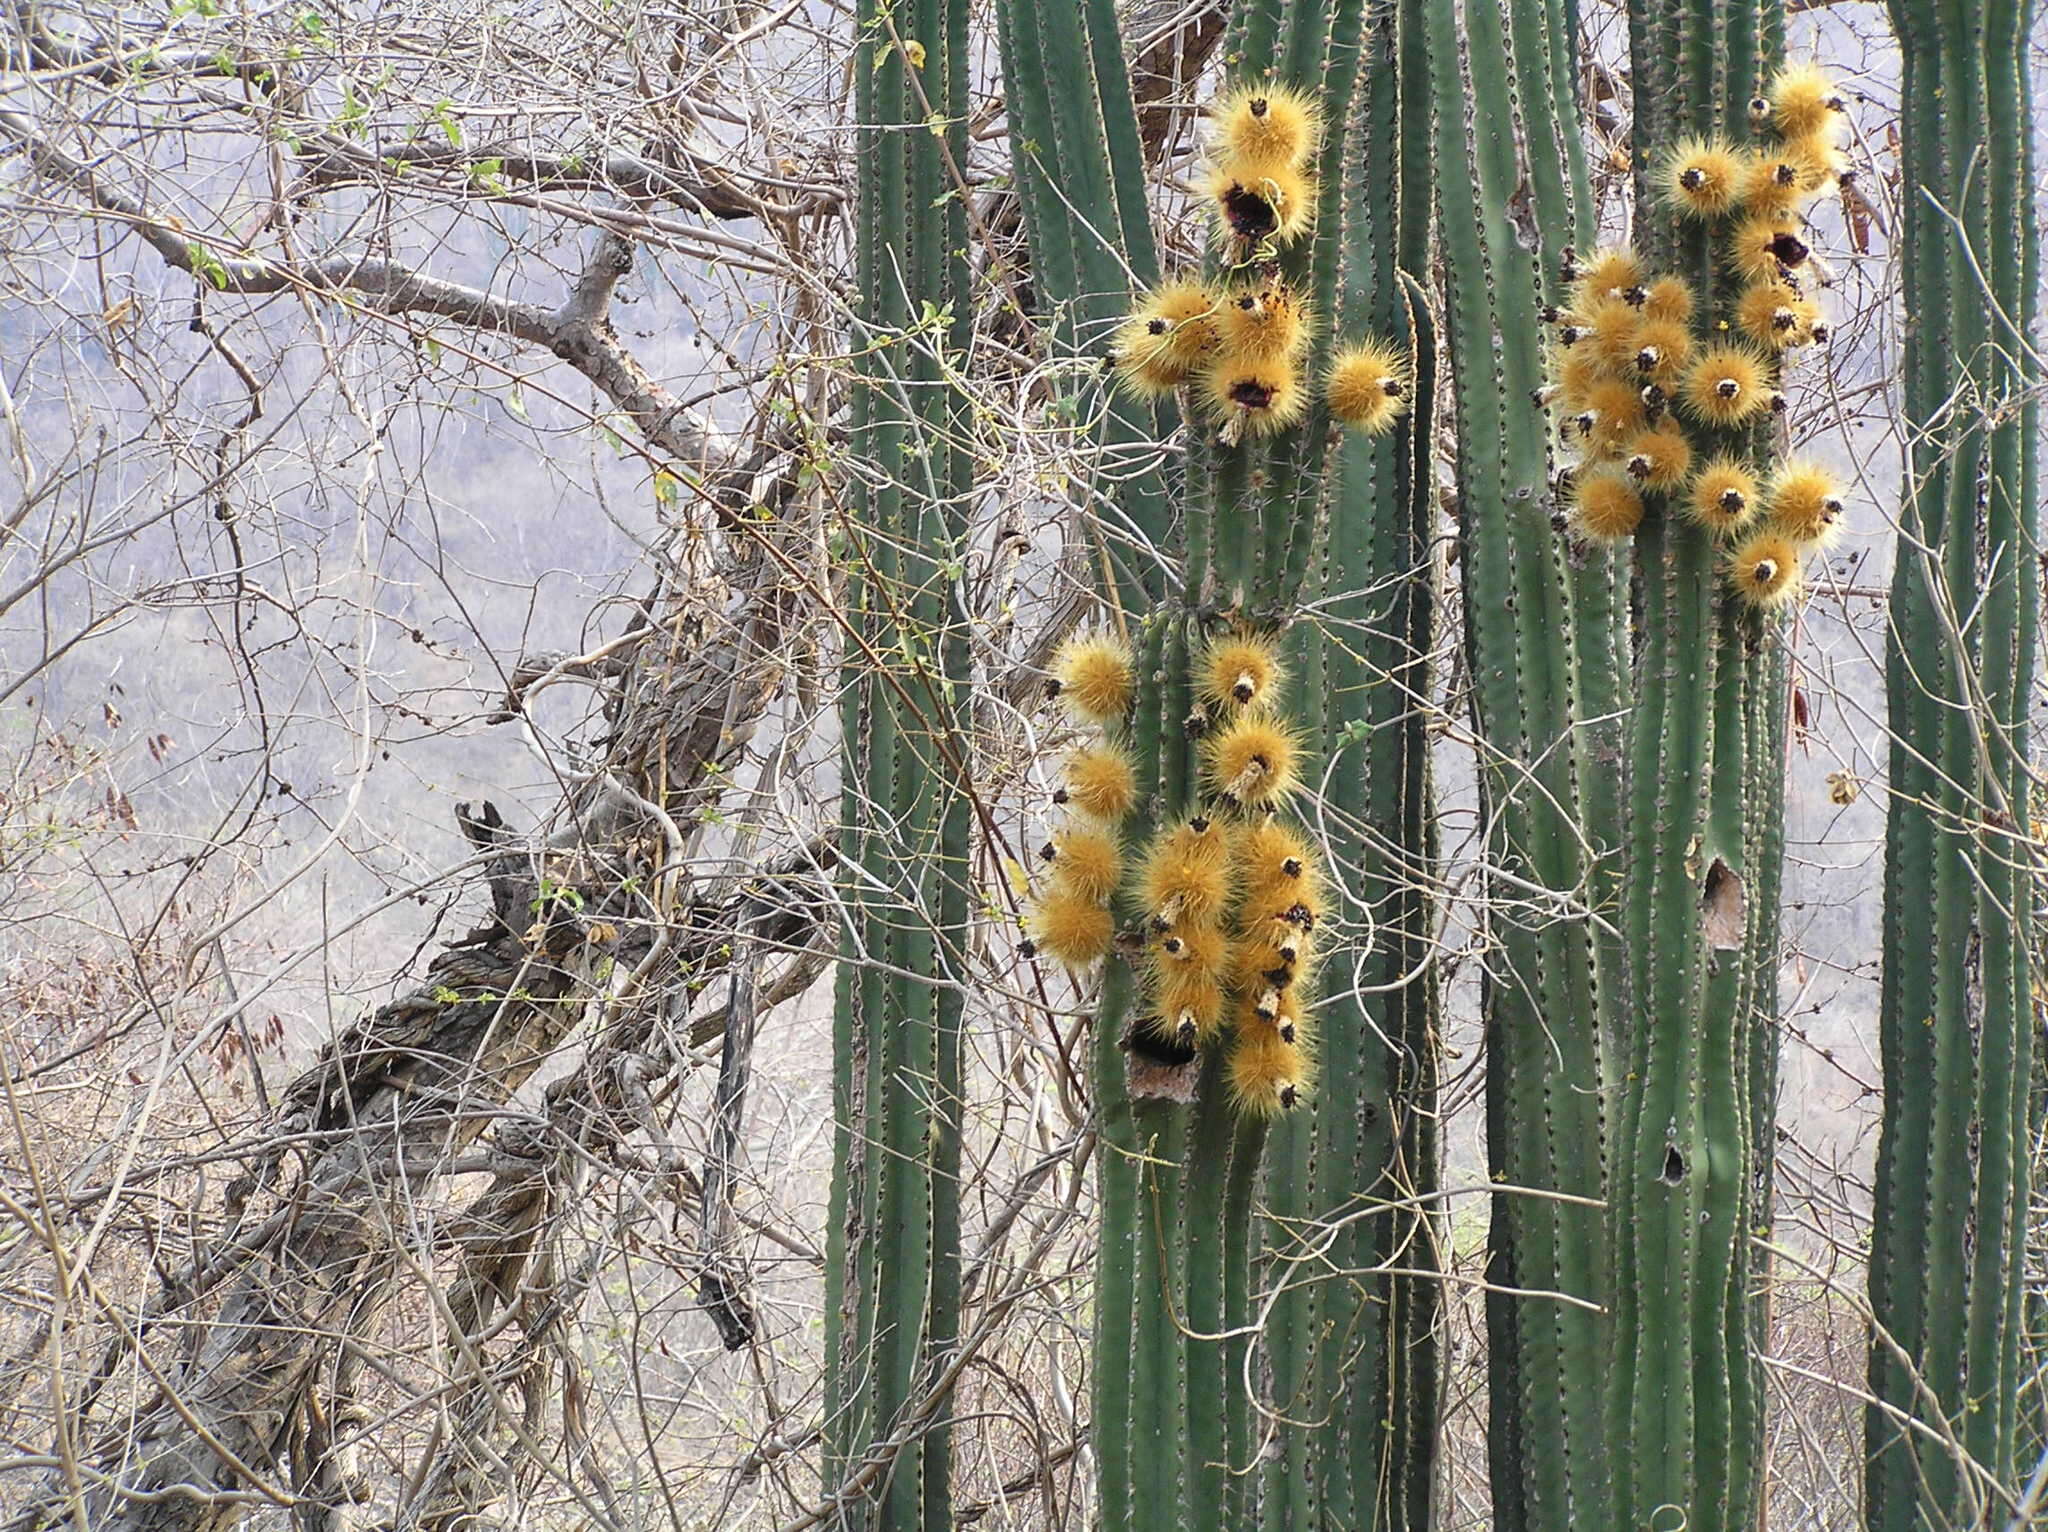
[1772, 183]
[1187, 873]
[1282, 1014]
[1270, 204]
[1658, 458]
[1610, 327]
[1728, 385]
[1577, 370]
[1775, 316]
[1668, 298]
[1070, 928]
[1147, 377]
[1819, 162]
[1765, 570]
[1249, 397]
[1804, 101]
[1099, 781]
[1280, 871]
[1804, 503]
[1243, 670]
[1663, 351]
[1613, 413]
[1086, 860]
[1265, 320]
[1367, 386]
[1190, 1002]
[1610, 272]
[1251, 763]
[1267, 1074]
[1606, 505]
[1261, 125]
[1703, 177]
[1272, 957]
[1170, 333]
[1764, 246]
[1197, 946]
[1289, 1021]
[1722, 496]
[1091, 674]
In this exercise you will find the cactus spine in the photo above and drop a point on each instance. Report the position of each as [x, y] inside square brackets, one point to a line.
[1962, 861]
[893, 1273]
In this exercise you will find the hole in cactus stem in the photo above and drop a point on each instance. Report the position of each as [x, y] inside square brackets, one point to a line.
[1674, 1166]
[1159, 1067]
[1722, 908]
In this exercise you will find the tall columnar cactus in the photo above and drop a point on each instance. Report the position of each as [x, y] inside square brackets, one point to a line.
[1351, 1350]
[1648, 988]
[1541, 647]
[1705, 812]
[1078, 168]
[1176, 1430]
[1961, 996]
[1353, 1358]
[893, 1273]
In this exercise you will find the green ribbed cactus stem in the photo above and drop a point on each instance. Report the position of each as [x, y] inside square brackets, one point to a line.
[1354, 1363]
[1544, 52]
[1075, 151]
[1148, 1428]
[1184, 1249]
[1533, 653]
[893, 1273]
[1962, 855]
[1079, 173]
[1768, 715]
[1702, 865]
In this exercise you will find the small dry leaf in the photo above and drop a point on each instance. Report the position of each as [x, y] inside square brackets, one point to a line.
[1843, 789]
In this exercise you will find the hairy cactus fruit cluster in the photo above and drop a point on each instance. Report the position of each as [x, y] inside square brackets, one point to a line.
[1230, 897]
[1226, 900]
[1260, 182]
[1240, 343]
[1272, 1050]
[1071, 920]
[1648, 382]
[1184, 891]
[1307, 211]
